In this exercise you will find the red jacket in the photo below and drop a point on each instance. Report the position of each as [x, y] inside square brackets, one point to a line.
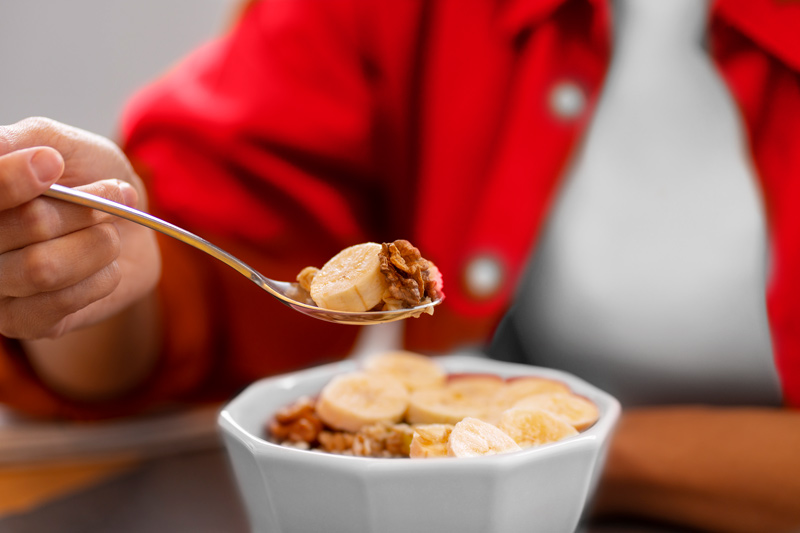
[315, 125]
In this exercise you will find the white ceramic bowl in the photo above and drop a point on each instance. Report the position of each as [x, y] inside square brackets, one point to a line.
[542, 489]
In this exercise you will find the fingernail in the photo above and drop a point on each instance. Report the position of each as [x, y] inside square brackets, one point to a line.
[129, 195]
[47, 165]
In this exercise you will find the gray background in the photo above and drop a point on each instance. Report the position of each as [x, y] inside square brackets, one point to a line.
[77, 61]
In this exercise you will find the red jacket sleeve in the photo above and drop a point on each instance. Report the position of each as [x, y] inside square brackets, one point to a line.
[258, 142]
[757, 49]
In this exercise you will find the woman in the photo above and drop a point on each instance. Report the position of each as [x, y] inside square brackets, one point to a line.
[481, 135]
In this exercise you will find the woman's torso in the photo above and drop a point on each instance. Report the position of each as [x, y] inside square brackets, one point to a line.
[649, 278]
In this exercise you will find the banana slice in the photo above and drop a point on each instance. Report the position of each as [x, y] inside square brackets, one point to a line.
[350, 401]
[351, 280]
[472, 437]
[577, 410]
[444, 406]
[414, 370]
[518, 388]
[533, 427]
[430, 440]
[463, 395]
[482, 385]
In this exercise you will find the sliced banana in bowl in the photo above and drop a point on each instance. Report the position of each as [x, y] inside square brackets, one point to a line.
[404, 404]
[414, 370]
[534, 427]
[472, 437]
[359, 482]
[351, 401]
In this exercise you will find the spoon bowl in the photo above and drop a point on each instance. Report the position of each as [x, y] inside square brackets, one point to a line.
[290, 293]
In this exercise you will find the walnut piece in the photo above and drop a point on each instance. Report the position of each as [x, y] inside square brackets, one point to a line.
[413, 280]
[297, 422]
[383, 439]
[336, 441]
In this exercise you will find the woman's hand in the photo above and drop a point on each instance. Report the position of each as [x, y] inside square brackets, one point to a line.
[64, 266]
[70, 276]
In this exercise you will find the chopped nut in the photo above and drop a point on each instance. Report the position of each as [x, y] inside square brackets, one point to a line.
[376, 440]
[364, 446]
[412, 279]
[297, 422]
[335, 441]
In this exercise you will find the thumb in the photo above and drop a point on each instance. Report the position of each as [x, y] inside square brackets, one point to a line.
[25, 174]
[46, 164]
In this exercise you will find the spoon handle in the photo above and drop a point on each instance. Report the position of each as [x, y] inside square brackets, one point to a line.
[74, 196]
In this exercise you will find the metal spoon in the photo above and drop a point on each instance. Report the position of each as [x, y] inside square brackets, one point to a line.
[289, 293]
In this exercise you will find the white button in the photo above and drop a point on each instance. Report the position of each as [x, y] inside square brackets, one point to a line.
[483, 276]
[567, 99]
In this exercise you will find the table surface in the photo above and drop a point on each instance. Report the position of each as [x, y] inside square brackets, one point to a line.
[185, 492]
[166, 473]
[192, 492]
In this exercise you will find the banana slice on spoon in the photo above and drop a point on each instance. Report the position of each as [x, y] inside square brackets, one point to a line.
[351, 280]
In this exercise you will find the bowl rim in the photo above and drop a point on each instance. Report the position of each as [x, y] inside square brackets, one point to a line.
[608, 406]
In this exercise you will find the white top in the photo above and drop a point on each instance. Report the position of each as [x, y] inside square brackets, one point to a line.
[649, 280]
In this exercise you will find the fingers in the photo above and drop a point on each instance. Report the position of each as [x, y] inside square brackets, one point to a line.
[25, 174]
[43, 219]
[89, 157]
[58, 263]
[32, 131]
[63, 266]
[45, 283]
[55, 259]
[47, 314]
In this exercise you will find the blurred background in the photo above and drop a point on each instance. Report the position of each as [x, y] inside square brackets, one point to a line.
[77, 61]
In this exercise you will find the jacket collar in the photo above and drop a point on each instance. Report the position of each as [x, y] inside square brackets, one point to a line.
[773, 25]
[516, 16]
